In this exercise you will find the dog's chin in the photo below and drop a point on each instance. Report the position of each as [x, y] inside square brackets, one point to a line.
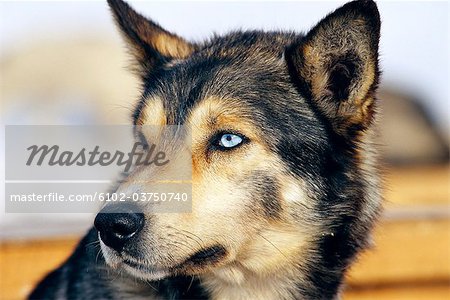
[132, 266]
[199, 262]
[144, 272]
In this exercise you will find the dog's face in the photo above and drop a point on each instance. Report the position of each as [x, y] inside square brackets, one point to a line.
[264, 112]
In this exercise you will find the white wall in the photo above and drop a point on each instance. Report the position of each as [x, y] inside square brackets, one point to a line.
[414, 46]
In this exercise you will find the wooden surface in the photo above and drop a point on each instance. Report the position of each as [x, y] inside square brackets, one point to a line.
[410, 259]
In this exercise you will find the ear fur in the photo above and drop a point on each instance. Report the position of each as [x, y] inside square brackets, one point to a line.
[336, 65]
[149, 43]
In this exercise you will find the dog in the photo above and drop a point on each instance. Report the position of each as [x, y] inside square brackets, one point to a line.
[285, 177]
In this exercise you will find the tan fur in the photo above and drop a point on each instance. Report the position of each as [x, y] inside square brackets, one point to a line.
[153, 113]
[163, 41]
[172, 46]
[262, 268]
[147, 32]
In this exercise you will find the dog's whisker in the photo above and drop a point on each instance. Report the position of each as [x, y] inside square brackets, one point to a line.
[98, 253]
[95, 243]
[278, 249]
[189, 235]
[148, 282]
[190, 284]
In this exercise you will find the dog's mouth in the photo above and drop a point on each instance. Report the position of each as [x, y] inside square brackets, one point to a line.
[210, 255]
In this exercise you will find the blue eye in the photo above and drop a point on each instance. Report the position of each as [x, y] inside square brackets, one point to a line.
[229, 140]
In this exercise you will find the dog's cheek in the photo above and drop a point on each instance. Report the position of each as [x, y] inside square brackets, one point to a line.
[263, 193]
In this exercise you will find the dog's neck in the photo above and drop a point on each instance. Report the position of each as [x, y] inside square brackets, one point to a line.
[268, 269]
[233, 283]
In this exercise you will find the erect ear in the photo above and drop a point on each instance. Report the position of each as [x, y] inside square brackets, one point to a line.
[336, 65]
[150, 44]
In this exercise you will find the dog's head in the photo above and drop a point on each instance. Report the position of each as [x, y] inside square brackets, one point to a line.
[276, 121]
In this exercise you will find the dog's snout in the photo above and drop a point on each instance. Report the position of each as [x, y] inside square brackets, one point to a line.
[118, 223]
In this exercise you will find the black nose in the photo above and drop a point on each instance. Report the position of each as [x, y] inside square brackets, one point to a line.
[118, 223]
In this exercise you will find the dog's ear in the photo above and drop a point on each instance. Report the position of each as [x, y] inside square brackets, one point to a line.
[336, 65]
[150, 44]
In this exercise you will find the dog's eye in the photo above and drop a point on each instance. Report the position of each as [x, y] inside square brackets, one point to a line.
[230, 140]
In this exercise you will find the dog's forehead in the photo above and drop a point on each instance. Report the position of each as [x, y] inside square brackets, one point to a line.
[249, 67]
[183, 86]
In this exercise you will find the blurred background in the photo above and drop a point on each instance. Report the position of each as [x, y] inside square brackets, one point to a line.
[64, 63]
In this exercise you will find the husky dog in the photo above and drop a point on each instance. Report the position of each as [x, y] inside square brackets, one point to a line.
[284, 170]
